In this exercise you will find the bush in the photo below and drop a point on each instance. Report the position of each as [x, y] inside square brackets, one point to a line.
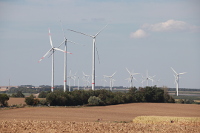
[43, 94]
[3, 99]
[18, 94]
[188, 101]
[43, 102]
[94, 101]
[181, 101]
[105, 97]
[29, 100]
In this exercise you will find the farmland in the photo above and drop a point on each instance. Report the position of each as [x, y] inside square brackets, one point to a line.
[115, 118]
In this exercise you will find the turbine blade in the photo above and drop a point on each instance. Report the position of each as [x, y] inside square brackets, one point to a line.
[50, 39]
[59, 50]
[45, 55]
[182, 73]
[106, 76]
[174, 71]
[81, 33]
[75, 43]
[128, 71]
[62, 50]
[134, 78]
[62, 29]
[61, 44]
[135, 73]
[101, 30]
[113, 74]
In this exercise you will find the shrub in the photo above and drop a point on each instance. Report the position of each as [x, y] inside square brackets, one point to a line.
[29, 100]
[43, 102]
[18, 94]
[43, 94]
[188, 101]
[181, 101]
[94, 101]
[3, 99]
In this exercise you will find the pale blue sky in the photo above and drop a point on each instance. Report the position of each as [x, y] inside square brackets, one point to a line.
[142, 35]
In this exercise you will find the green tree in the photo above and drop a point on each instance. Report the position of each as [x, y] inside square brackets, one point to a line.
[43, 94]
[3, 99]
[29, 100]
[18, 94]
[94, 101]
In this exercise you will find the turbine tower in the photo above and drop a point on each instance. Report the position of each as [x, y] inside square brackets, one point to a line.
[177, 79]
[104, 81]
[131, 77]
[86, 79]
[148, 78]
[111, 80]
[65, 57]
[93, 53]
[70, 77]
[52, 50]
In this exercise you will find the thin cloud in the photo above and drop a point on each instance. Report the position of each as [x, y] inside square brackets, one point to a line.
[138, 34]
[171, 26]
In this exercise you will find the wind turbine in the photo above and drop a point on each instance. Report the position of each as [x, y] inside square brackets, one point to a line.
[78, 82]
[65, 57]
[152, 80]
[53, 49]
[104, 81]
[131, 77]
[143, 79]
[177, 79]
[74, 78]
[147, 78]
[111, 80]
[86, 79]
[70, 77]
[93, 53]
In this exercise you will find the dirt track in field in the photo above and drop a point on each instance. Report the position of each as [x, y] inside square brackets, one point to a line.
[123, 112]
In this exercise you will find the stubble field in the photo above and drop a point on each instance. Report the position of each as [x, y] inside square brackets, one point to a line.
[115, 118]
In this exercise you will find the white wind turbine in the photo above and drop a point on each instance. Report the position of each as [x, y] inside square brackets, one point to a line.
[143, 80]
[147, 78]
[152, 80]
[78, 82]
[86, 79]
[93, 54]
[74, 78]
[104, 81]
[70, 77]
[130, 79]
[177, 79]
[111, 80]
[53, 49]
[65, 57]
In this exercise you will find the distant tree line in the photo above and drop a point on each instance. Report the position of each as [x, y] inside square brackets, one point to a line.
[106, 97]
[18, 94]
[31, 90]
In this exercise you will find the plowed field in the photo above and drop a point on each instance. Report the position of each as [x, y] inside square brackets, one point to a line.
[96, 119]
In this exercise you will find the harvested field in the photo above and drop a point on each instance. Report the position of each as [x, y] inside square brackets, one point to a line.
[12, 101]
[97, 119]
[36, 126]
[17, 101]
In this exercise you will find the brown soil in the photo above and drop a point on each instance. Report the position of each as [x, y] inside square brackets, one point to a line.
[97, 119]
[12, 101]
[123, 112]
